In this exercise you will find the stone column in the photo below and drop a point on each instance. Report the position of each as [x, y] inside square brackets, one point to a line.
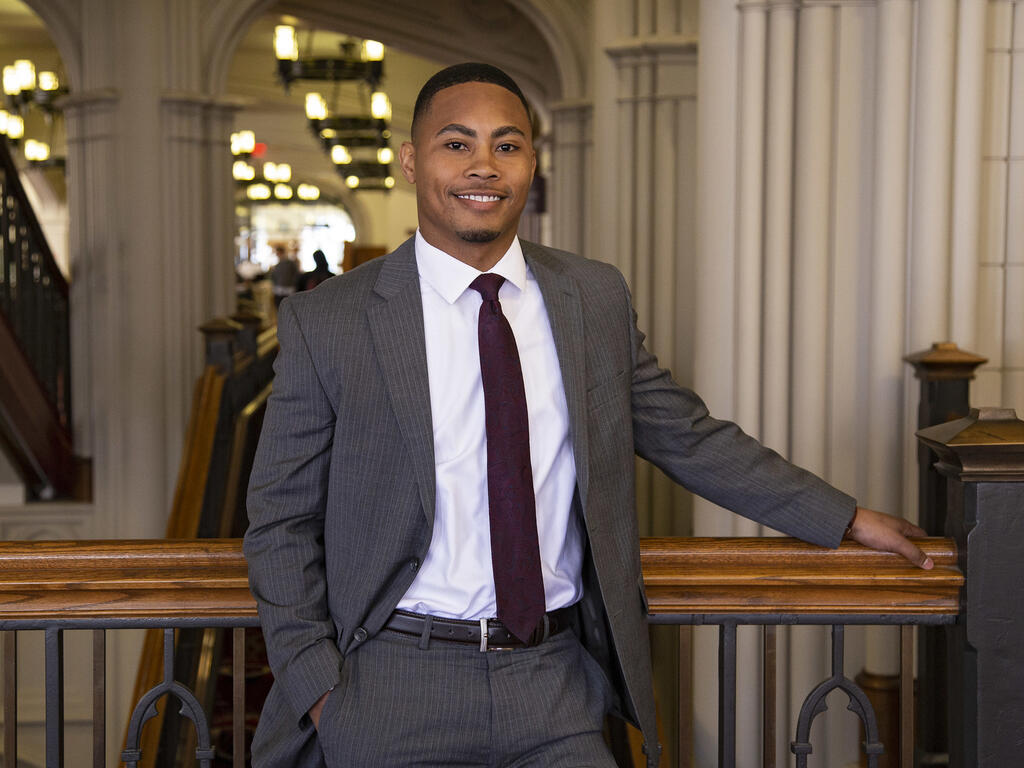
[982, 457]
[571, 181]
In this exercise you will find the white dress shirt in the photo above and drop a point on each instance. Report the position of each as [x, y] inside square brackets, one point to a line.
[455, 579]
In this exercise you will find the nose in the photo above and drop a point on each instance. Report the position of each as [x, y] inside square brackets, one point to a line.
[482, 165]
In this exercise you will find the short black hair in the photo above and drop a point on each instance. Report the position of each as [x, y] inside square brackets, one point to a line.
[468, 72]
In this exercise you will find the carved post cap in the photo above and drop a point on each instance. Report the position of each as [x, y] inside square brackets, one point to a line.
[944, 360]
[985, 446]
[250, 323]
[248, 318]
[220, 334]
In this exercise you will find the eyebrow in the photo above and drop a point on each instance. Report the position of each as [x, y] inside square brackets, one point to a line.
[497, 133]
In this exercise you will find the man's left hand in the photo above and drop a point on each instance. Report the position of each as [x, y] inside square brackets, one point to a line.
[889, 534]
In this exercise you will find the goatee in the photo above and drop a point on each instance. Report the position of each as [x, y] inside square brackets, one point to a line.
[478, 235]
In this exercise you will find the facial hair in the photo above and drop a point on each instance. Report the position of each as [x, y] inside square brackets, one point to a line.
[478, 235]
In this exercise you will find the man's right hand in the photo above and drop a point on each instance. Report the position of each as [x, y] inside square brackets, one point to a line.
[316, 709]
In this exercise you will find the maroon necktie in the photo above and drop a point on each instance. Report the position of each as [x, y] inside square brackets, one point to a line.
[515, 551]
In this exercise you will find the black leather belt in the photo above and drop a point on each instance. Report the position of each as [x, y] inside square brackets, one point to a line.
[486, 634]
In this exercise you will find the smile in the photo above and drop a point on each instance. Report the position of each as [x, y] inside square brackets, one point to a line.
[480, 198]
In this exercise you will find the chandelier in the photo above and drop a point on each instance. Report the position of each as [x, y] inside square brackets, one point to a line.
[271, 181]
[23, 90]
[358, 145]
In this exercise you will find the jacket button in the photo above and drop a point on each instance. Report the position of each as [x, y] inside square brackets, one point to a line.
[414, 564]
[359, 635]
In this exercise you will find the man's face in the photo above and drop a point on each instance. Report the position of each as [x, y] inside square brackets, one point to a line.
[472, 162]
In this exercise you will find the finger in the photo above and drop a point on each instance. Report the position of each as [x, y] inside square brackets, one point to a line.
[913, 553]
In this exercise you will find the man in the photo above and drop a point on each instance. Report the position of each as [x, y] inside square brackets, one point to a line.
[424, 401]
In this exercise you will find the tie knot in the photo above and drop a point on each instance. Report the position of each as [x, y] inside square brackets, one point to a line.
[487, 286]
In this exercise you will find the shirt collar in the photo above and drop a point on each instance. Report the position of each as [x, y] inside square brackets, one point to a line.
[451, 277]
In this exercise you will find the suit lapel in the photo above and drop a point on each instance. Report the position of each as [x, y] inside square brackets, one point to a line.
[565, 312]
[396, 324]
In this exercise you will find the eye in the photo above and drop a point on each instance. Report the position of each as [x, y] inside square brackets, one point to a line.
[507, 147]
[454, 144]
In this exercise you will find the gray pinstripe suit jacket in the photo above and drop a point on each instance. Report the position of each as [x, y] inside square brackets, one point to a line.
[341, 499]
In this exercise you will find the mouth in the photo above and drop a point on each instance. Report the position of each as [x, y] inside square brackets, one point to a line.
[479, 198]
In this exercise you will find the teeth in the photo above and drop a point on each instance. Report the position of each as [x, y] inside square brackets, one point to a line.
[481, 198]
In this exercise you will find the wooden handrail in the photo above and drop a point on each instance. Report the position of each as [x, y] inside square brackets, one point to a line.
[783, 575]
[181, 579]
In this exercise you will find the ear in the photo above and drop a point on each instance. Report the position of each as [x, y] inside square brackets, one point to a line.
[407, 159]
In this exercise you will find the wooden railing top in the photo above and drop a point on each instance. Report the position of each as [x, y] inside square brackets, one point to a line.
[783, 575]
[192, 579]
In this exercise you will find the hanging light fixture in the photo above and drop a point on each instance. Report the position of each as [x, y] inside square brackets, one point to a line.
[363, 63]
[357, 144]
[308, 192]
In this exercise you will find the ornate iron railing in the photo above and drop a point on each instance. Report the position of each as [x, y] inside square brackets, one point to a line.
[99, 586]
[778, 581]
[35, 338]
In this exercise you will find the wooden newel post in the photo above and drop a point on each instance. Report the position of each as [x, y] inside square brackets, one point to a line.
[248, 335]
[945, 372]
[982, 457]
[221, 341]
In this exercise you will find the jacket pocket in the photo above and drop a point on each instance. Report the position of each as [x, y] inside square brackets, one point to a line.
[607, 390]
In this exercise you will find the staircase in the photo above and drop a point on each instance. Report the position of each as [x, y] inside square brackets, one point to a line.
[35, 395]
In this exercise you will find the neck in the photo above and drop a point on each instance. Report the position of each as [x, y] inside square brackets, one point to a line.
[480, 256]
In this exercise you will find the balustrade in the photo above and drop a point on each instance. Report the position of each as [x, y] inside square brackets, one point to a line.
[100, 586]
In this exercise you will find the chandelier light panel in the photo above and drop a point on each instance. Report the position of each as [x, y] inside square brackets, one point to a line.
[373, 51]
[242, 171]
[48, 81]
[36, 151]
[308, 192]
[243, 143]
[15, 127]
[12, 85]
[286, 45]
[283, 192]
[385, 155]
[258, 191]
[316, 107]
[340, 155]
[380, 106]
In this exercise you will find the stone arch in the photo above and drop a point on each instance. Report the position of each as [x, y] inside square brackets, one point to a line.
[63, 25]
[227, 23]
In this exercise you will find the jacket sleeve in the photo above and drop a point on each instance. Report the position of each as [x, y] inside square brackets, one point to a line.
[717, 460]
[284, 544]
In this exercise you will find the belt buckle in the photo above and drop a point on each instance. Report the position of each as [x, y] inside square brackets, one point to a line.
[486, 647]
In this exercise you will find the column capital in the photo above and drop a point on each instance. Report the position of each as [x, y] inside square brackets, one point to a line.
[651, 48]
[944, 360]
[987, 445]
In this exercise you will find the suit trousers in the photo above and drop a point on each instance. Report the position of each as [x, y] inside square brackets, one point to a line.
[406, 702]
